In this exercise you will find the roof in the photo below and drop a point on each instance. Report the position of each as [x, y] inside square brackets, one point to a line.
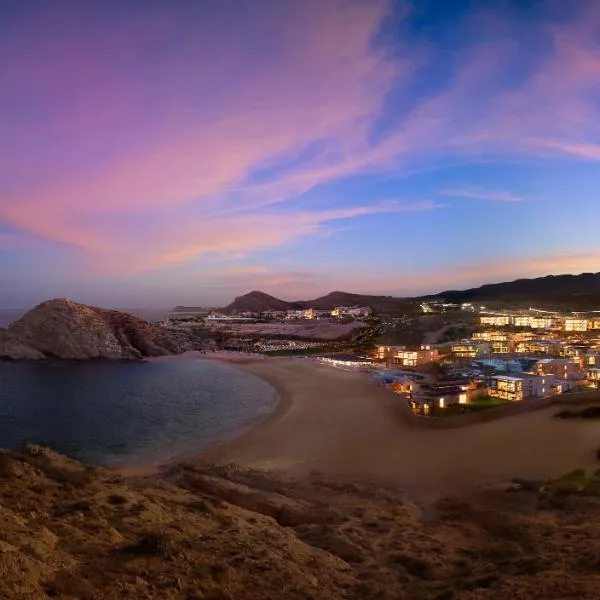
[511, 378]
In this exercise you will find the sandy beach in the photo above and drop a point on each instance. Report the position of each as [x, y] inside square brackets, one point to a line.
[344, 425]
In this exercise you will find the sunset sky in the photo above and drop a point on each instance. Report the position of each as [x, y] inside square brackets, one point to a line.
[157, 153]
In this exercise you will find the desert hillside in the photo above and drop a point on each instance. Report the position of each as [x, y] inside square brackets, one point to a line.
[558, 291]
[203, 532]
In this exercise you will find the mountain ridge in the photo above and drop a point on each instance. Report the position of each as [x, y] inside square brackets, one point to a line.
[257, 301]
[581, 291]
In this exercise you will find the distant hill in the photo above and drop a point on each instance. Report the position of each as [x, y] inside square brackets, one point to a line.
[383, 304]
[560, 291]
[257, 302]
[576, 291]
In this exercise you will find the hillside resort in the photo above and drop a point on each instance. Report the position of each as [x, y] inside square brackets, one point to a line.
[467, 357]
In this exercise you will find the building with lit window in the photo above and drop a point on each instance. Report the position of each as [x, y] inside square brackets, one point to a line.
[521, 387]
[495, 320]
[490, 336]
[415, 358]
[594, 324]
[576, 324]
[406, 357]
[533, 322]
[592, 360]
[575, 351]
[541, 323]
[441, 394]
[524, 336]
[501, 346]
[386, 352]
[593, 377]
[560, 386]
[562, 368]
[343, 360]
[470, 349]
[545, 347]
[522, 321]
[351, 311]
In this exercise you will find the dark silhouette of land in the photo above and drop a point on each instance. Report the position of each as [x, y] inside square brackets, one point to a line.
[572, 292]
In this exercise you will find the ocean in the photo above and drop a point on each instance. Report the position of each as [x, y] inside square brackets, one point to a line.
[128, 413]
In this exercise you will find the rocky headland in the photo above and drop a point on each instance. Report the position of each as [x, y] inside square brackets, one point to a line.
[66, 329]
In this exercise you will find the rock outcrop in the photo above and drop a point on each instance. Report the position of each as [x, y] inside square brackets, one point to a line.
[11, 346]
[65, 329]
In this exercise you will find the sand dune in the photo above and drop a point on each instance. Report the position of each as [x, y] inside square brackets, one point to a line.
[345, 425]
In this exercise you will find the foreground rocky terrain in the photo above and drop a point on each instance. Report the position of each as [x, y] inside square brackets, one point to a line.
[65, 329]
[203, 532]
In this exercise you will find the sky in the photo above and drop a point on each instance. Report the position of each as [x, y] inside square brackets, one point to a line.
[163, 153]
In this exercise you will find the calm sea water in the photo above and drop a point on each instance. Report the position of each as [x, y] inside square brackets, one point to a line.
[116, 413]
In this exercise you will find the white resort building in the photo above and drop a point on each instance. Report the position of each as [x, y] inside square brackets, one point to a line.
[521, 387]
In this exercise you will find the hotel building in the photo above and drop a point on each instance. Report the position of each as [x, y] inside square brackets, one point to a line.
[561, 368]
[490, 336]
[495, 320]
[501, 346]
[520, 387]
[593, 377]
[546, 347]
[470, 349]
[403, 357]
[522, 321]
[576, 324]
[594, 324]
[541, 323]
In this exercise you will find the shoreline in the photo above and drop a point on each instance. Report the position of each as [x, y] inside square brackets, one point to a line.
[283, 402]
[347, 427]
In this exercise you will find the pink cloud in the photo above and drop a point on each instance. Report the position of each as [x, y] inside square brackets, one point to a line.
[132, 140]
[481, 194]
[127, 138]
[227, 237]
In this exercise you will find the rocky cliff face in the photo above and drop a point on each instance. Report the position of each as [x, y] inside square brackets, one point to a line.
[65, 329]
